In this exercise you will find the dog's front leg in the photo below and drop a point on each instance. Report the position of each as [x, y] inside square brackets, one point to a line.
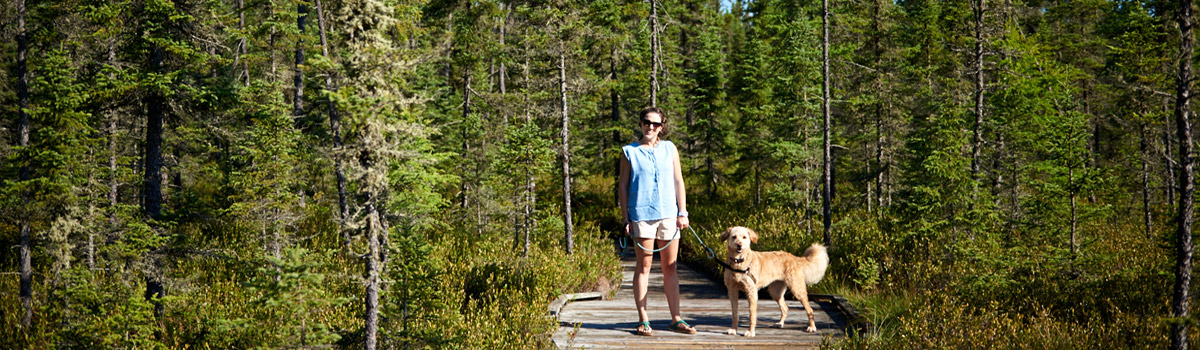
[733, 304]
[752, 298]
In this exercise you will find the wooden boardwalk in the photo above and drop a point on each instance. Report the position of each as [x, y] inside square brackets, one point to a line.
[607, 324]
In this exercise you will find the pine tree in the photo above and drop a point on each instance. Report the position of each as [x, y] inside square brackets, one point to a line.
[264, 187]
[383, 132]
[1138, 51]
[827, 165]
[708, 99]
[1036, 100]
[293, 287]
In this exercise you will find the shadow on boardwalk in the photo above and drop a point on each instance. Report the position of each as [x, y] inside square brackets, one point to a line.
[599, 324]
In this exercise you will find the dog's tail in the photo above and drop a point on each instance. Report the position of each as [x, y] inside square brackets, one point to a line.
[818, 262]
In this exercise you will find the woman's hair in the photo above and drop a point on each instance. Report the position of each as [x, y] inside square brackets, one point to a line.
[645, 111]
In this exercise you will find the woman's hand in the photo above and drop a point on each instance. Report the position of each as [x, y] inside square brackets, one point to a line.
[682, 222]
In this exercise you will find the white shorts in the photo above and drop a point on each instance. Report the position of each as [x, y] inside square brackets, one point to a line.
[663, 229]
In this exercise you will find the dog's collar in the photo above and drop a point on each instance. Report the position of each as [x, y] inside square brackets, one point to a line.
[730, 267]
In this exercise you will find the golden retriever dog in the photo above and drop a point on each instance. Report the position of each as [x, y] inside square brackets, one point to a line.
[778, 270]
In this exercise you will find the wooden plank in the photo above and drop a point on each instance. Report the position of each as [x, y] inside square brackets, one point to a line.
[607, 324]
[556, 306]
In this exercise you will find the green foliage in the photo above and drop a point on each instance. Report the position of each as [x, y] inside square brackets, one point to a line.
[59, 139]
[291, 287]
[418, 308]
[264, 187]
[941, 322]
[528, 147]
[1076, 130]
[98, 311]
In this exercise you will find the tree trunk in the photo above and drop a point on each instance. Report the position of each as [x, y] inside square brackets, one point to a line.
[1145, 179]
[530, 206]
[91, 248]
[504, 70]
[525, 96]
[335, 127]
[371, 314]
[1168, 163]
[23, 175]
[977, 8]
[26, 273]
[152, 177]
[654, 52]
[518, 195]
[977, 144]
[615, 116]
[241, 46]
[827, 189]
[112, 170]
[298, 80]
[997, 168]
[1094, 126]
[879, 110]
[711, 169]
[688, 51]
[465, 185]
[881, 167]
[1014, 198]
[757, 183]
[174, 181]
[112, 151]
[384, 241]
[1183, 115]
[566, 149]
[1074, 217]
[530, 180]
[271, 42]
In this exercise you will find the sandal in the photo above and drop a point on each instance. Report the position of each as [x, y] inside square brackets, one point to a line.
[644, 331]
[682, 326]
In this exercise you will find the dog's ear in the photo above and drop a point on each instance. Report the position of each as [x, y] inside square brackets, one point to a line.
[753, 235]
[725, 235]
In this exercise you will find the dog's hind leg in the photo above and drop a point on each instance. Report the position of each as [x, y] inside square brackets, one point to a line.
[801, 292]
[778, 290]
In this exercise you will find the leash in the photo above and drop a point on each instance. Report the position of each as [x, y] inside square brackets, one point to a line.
[707, 251]
[630, 236]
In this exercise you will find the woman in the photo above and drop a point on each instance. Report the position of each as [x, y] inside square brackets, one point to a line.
[653, 203]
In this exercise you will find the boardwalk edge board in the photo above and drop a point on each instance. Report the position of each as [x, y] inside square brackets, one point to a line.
[556, 306]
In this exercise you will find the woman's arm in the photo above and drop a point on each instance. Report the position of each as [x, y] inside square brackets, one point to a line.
[623, 189]
[680, 194]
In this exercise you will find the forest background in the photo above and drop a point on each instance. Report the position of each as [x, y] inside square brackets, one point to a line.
[431, 173]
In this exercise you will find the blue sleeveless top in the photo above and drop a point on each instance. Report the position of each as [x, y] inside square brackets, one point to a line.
[651, 181]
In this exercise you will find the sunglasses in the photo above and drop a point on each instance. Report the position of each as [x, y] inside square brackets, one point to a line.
[650, 123]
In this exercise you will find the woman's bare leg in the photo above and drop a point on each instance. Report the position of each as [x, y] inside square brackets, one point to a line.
[641, 276]
[668, 259]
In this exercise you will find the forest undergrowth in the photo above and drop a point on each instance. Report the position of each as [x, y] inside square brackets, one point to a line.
[1005, 287]
[453, 286]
